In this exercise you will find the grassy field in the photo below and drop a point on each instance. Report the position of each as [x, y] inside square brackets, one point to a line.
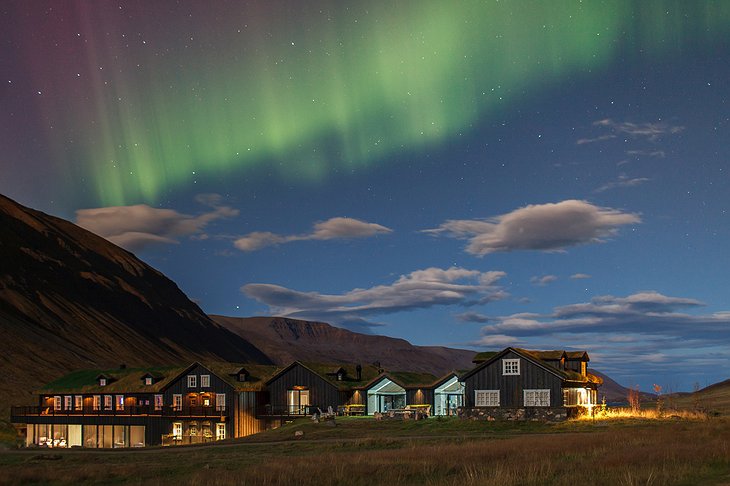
[432, 452]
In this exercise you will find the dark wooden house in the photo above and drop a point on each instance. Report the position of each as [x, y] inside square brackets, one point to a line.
[307, 388]
[530, 381]
[139, 407]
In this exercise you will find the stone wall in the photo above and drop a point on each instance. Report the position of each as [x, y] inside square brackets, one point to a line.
[545, 414]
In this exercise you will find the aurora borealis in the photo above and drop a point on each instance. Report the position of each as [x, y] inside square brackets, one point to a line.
[348, 157]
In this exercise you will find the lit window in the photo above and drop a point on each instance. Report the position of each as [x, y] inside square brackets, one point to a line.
[158, 402]
[148, 380]
[108, 402]
[78, 402]
[177, 430]
[96, 402]
[220, 431]
[102, 381]
[204, 381]
[486, 398]
[57, 403]
[220, 402]
[177, 402]
[119, 402]
[537, 398]
[192, 381]
[510, 366]
[67, 402]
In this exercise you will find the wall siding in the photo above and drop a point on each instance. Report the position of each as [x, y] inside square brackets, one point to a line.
[248, 406]
[511, 386]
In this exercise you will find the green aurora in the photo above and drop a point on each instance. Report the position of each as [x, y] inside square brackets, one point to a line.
[317, 90]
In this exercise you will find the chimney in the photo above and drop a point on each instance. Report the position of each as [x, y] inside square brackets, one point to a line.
[358, 372]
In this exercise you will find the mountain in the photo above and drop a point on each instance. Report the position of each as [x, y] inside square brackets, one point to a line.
[70, 299]
[285, 340]
[616, 393]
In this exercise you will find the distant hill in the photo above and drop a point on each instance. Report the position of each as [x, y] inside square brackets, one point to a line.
[614, 392]
[70, 299]
[285, 340]
[714, 399]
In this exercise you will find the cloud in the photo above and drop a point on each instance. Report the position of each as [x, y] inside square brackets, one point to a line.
[334, 228]
[622, 181]
[579, 276]
[472, 317]
[647, 153]
[649, 131]
[546, 227]
[417, 290]
[600, 138]
[135, 227]
[543, 280]
[657, 331]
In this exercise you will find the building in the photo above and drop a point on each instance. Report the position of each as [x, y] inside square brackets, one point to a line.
[519, 383]
[139, 407]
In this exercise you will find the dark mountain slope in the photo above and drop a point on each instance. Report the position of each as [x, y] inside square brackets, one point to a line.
[70, 299]
[286, 340]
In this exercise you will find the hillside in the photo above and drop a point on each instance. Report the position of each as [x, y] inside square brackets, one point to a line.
[70, 299]
[285, 340]
[614, 392]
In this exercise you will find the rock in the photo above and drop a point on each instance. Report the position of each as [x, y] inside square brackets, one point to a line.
[298, 434]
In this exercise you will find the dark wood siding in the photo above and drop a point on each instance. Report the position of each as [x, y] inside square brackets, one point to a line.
[248, 407]
[531, 377]
[322, 393]
[419, 396]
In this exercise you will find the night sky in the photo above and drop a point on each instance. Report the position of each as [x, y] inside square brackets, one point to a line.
[543, 174]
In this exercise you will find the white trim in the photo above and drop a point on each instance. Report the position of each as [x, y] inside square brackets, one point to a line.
[536, 398]
[68, 402]
[177, 402]
[487, 398]
[192, 381]
[57, 402]
[220, 402]
[158, 402]
[511, 366]
[78, 402]
[108, 402]
[204, 381]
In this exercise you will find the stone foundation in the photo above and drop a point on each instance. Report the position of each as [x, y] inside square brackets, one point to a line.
[542, 414]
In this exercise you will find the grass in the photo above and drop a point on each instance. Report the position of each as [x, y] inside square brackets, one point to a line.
[360, 451]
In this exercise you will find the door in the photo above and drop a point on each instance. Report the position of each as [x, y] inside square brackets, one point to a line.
[297, 401]
[220, 431]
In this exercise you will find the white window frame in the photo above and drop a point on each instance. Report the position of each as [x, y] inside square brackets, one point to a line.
[102, 381]
[486, 398]
[220, 431]
[147, 380]
[96, 402]
[119, 402]
[536, 398]
[511, 366]
[192, 381]
[57, 402]
[68, 402]
[220, 402]
[159, 401]
[204, 381]
[78, 402]
[108, 402]
[177, 402]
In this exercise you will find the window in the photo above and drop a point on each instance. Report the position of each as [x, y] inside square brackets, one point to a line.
[158, 402]
[102, 381]
[298, 401]
[96, 402]
[510, 366]
[57, 403]
[486, 398]
[68, 402]
[119, 402]
[192, 381]
[177, 430]
[242, 376]
[204, 381]
[147, 380]
[78, 402]
[537, 398]
[193, 401]
[177, 402]
[220, 402]
[108, 402]
[220, 431]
